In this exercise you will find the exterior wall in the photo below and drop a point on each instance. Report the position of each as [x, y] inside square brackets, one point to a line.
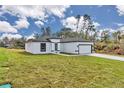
[34, 47]
[72, 47]
[28, 47]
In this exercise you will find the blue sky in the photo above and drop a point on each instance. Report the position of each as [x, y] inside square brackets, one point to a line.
[26, 20]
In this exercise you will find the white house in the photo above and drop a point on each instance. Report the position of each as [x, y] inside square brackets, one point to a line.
[58, 45]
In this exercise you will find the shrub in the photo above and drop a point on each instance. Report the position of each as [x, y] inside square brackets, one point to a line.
[119, 51]
[100, 46]
[108, 48]
[112, 47]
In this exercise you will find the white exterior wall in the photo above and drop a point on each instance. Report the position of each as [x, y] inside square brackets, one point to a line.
[28, 47]
[34, 47]
[72, 47]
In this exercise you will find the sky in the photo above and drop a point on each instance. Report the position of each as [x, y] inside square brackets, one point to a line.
[18, 21]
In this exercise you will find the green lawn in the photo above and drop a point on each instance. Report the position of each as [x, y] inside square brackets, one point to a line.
[27, 70]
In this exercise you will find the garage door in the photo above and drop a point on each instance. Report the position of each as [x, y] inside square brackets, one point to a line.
[85, 49]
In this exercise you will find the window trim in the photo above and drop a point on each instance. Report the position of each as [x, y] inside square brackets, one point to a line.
[41, 47]
[56, 46]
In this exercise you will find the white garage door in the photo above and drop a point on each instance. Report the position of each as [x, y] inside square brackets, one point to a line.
[84, 49]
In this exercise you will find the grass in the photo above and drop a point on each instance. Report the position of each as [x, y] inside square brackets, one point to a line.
[27, 70]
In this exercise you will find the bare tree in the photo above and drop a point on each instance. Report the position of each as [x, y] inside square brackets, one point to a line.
[78, 20]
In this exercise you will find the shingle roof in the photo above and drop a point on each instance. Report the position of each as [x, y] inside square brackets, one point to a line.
[74, 40]
[36, 40]
[47, 39]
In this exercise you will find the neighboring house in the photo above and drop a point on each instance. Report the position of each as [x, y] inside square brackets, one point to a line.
[58, 45]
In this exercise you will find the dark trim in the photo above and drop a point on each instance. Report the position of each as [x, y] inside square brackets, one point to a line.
[42, 41]
[56, 46]
[83, 45]
[76, 50]
[57, 50]
[73, 41]
[91, 49]
[69, 53]
[42, 50]
[37, 41]
[54, 38]
[52, 50]
[59, 42]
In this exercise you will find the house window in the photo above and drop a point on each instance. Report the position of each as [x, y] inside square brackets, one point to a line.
[43, 47]
[56, 46]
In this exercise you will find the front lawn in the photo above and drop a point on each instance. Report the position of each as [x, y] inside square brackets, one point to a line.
[27, 70]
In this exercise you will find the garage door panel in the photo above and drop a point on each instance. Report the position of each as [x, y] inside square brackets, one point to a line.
[84, 49]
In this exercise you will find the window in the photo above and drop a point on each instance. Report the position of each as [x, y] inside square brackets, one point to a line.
[43, 47]
[56, 46]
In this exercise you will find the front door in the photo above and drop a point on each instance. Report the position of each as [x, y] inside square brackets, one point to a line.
[56, 46]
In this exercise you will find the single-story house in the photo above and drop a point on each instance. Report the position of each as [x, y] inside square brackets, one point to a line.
[58, 45]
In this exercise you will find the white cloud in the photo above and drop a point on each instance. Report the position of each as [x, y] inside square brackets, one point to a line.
[30, 36]
[71, 22]
[40, 13]
[121, 28]
[120, 9]
[108, 29]
[39, 23]
[10, 36]
[57, 10]
[35, 12]
[7, 27]
[119, 24]
[96, 24]
[22, 23]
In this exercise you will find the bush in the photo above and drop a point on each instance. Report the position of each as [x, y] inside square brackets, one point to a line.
[112, 47]
[109, 48]
[100, 46]
[119, 51]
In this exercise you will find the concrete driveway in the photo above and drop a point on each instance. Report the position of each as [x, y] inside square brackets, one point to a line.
[107, 56]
